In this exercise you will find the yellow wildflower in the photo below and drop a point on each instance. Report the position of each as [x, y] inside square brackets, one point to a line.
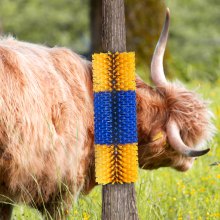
[85, 216]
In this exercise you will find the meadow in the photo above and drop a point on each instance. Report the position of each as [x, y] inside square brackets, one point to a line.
[165, 194]
[193, 56]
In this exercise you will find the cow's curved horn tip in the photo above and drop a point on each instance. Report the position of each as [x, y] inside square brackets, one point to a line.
[198, 153]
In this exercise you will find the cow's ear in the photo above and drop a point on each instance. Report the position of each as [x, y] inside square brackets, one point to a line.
[158, 136]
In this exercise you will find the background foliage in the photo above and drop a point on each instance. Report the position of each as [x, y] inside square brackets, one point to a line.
[53, 22]
[195, 39]
[194, 51]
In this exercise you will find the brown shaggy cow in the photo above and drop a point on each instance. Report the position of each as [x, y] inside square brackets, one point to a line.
[46, 124]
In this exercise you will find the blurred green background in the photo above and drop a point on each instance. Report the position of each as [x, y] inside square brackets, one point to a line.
[194, 51]
[193, 56]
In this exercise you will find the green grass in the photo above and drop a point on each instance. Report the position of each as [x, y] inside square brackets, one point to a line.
[165, 194]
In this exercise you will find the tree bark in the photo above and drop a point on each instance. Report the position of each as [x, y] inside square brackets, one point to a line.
[113, 26]
[118, 200]
[96, 25]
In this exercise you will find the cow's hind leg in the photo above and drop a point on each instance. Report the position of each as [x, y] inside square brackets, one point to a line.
[5, 211]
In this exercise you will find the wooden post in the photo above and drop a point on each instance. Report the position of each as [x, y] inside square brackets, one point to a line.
[118, 200]
[96, 25]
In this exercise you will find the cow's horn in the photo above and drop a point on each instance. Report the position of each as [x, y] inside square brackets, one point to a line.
[157, 71]
[176, 142]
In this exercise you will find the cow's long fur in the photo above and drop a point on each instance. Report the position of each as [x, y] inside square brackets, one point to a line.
[45, 120]
[46, 124]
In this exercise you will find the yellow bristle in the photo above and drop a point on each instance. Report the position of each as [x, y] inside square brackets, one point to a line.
[108, 67]
[125, 71]
[101, 76]
[112, 167]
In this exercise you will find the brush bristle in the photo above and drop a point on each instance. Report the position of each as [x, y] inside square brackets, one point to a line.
[116, 164]
[115, 117]
[113, 72]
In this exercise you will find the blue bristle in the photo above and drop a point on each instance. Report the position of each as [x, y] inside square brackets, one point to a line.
[103, 118]
[115, 117]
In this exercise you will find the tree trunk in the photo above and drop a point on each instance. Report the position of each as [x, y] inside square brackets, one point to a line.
[113, 26]
[95, 25]
[118, 200]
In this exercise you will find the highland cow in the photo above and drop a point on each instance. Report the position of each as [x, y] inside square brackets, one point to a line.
[46, 124]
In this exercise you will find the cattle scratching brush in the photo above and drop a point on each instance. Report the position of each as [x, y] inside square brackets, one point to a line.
[115, 117]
